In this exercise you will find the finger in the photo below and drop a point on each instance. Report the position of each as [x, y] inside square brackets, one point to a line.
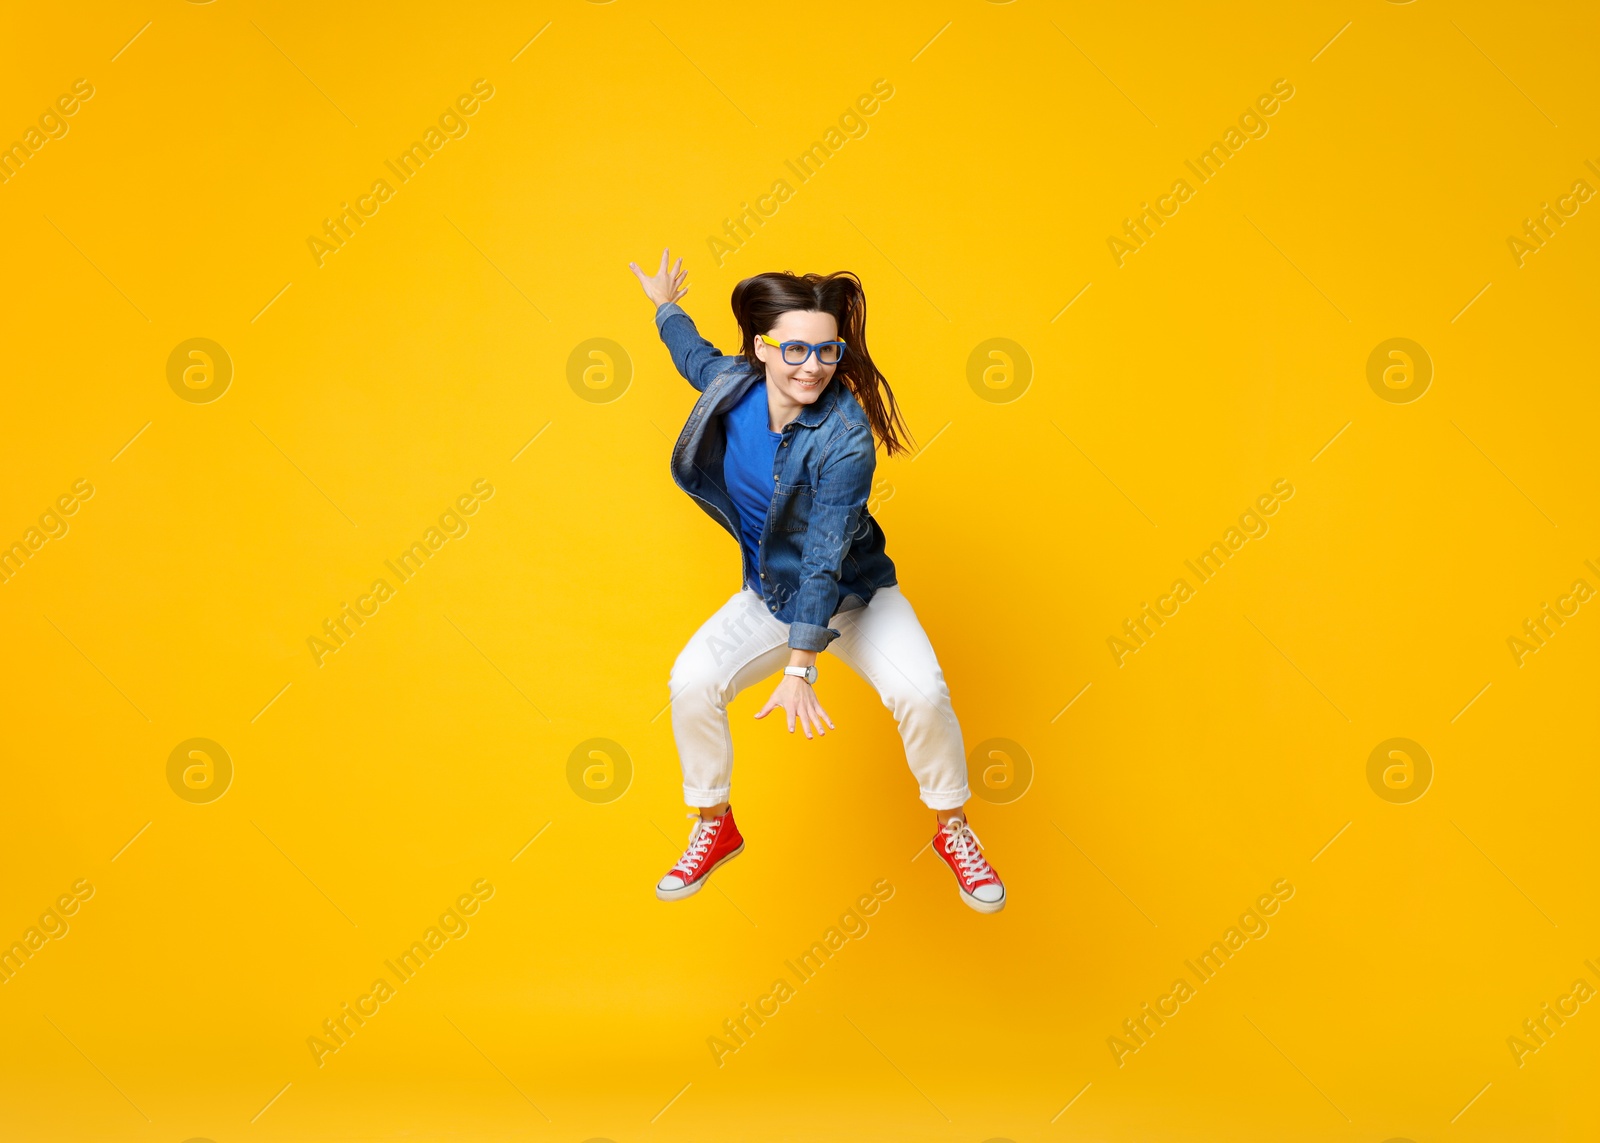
[824, 715]
[663, 260]
[790, 715]
[762, 713]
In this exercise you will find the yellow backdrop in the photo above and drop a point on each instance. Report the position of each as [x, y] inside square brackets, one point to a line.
[1249, 351]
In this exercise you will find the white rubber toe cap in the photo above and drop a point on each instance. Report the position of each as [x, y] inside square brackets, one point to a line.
[989, 893]
[671, 882]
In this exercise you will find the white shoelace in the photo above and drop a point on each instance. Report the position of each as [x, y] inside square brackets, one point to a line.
[701, 835]
[963, 845]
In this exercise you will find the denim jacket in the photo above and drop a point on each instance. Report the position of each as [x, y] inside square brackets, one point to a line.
[821, 551]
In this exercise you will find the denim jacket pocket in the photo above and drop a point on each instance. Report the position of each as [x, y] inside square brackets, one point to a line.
[793, 507]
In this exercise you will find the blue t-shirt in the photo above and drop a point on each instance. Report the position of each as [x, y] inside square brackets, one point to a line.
[747, 469]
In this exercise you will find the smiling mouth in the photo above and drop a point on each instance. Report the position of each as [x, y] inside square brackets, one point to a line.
[804, 384]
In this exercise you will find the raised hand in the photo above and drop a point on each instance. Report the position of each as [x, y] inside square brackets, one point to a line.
[664, 285]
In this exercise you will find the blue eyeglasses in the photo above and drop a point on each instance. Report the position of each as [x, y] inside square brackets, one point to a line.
[799, 352]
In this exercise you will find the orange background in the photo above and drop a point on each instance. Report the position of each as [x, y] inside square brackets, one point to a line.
[444, 343]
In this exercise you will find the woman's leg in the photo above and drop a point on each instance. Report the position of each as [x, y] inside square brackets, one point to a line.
[884, 643]
[739, 645]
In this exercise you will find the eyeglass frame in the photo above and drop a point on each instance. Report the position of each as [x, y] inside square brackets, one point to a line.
[811, 347]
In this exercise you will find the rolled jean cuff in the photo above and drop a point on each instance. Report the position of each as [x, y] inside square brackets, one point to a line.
[700, 798]
[810, 636]
[945, 799]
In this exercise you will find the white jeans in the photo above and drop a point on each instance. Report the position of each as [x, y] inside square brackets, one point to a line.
[883, 642]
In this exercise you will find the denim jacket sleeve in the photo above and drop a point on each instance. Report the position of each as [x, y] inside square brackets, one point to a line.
[837, 506]
[696, 358]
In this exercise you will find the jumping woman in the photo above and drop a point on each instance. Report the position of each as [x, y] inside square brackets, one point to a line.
[780, 450]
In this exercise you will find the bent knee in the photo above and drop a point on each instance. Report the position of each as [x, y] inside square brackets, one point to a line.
[918, 697]
[693, 681]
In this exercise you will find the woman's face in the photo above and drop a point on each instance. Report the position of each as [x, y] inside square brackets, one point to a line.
[804, 383]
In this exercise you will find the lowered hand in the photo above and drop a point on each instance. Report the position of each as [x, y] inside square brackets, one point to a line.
[798, 701]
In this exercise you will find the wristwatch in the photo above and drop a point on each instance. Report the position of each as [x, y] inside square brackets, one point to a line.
[809, 674]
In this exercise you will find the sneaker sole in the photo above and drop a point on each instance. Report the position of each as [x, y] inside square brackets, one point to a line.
[982, 906]
[694, 886]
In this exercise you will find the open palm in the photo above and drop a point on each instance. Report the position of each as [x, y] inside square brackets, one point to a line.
[664, 285]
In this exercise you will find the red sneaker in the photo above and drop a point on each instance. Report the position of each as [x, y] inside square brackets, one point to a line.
[710, 844]
[979, 884]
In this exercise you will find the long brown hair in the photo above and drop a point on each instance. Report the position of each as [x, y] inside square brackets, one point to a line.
[758, 303]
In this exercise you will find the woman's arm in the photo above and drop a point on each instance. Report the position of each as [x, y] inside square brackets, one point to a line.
[696, 358]
[843, 487]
